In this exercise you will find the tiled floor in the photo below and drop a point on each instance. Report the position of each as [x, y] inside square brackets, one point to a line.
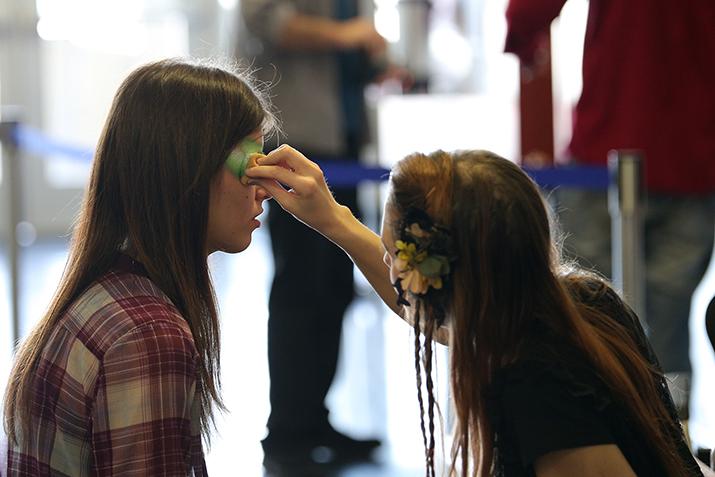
[373, 394]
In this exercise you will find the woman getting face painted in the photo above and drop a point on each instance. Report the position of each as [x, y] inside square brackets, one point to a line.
[121, 376]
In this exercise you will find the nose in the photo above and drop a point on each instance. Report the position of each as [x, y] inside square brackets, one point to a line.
[262, 194]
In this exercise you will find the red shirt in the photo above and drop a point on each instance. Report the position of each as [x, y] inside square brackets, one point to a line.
[648, 84]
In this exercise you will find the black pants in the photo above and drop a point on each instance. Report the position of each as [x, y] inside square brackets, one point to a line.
[312, 287]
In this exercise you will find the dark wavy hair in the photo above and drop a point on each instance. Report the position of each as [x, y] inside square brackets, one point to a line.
[508, 276]
[170, 128]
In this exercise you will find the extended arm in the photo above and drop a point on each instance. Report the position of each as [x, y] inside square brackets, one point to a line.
[589, 461]
[311, 202]
[527, 21]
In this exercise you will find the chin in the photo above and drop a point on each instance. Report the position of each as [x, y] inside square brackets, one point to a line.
[235, 247]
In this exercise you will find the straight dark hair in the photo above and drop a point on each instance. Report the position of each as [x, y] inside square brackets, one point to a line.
[507, 277]
[170, 128]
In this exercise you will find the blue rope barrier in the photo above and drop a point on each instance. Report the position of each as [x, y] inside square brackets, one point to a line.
[345, 174]
[338, 173]
[34, 142]
[582, 177]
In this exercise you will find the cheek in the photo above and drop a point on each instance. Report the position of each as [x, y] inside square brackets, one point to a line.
[237, 204]
[243, 204]
[394, 273]
[234, 210]
[236, 199]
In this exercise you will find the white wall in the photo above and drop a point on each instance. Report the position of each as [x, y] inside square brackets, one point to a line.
[62, 72]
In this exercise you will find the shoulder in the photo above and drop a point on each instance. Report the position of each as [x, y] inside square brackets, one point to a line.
[553, 375]
[155, 349]
[545, 407]
[592, 461]
[120, 306]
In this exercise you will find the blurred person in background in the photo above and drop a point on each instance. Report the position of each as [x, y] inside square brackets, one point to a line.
[648, 75]
[319, 55]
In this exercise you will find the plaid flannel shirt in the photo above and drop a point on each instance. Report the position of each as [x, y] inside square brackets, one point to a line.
[115, 392]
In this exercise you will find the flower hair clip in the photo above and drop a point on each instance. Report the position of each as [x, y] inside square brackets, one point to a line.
[423, 257]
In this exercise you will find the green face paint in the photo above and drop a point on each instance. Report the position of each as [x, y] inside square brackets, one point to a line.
[238, 159]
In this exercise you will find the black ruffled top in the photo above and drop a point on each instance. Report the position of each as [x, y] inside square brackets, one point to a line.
[552, 399]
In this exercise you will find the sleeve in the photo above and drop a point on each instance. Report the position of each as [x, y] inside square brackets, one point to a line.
[142, 413]
[267, 18]
[544, 416]
[527, 21]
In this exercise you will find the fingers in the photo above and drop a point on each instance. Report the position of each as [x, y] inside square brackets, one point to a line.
[292, 160]
[299, 183]
[282, 196]
[376, 45]
[278, 173]
[289, 157]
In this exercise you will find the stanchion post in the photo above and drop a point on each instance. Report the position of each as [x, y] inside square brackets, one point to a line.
[11, 177]
[626, 205]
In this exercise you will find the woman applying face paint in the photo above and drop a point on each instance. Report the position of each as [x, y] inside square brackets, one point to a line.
[551, 373]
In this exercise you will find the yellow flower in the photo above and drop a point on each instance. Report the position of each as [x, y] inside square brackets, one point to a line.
[414, 281]
[417, 269]
[406, 251]
[400, 264]
[436, 283]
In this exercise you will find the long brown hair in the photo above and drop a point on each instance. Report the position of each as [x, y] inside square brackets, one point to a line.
[507, 277]
[170, 128]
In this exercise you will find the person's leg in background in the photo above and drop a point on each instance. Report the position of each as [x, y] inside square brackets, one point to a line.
[678, 246]
[586, 224]
[293, 327]
[678, 242]
[312, 288]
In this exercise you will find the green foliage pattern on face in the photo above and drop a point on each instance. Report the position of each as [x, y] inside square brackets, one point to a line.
[238, 159]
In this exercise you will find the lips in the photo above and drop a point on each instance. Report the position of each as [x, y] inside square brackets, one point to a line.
[255, 220]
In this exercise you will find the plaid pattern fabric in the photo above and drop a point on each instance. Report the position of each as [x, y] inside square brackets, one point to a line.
[115, 392]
